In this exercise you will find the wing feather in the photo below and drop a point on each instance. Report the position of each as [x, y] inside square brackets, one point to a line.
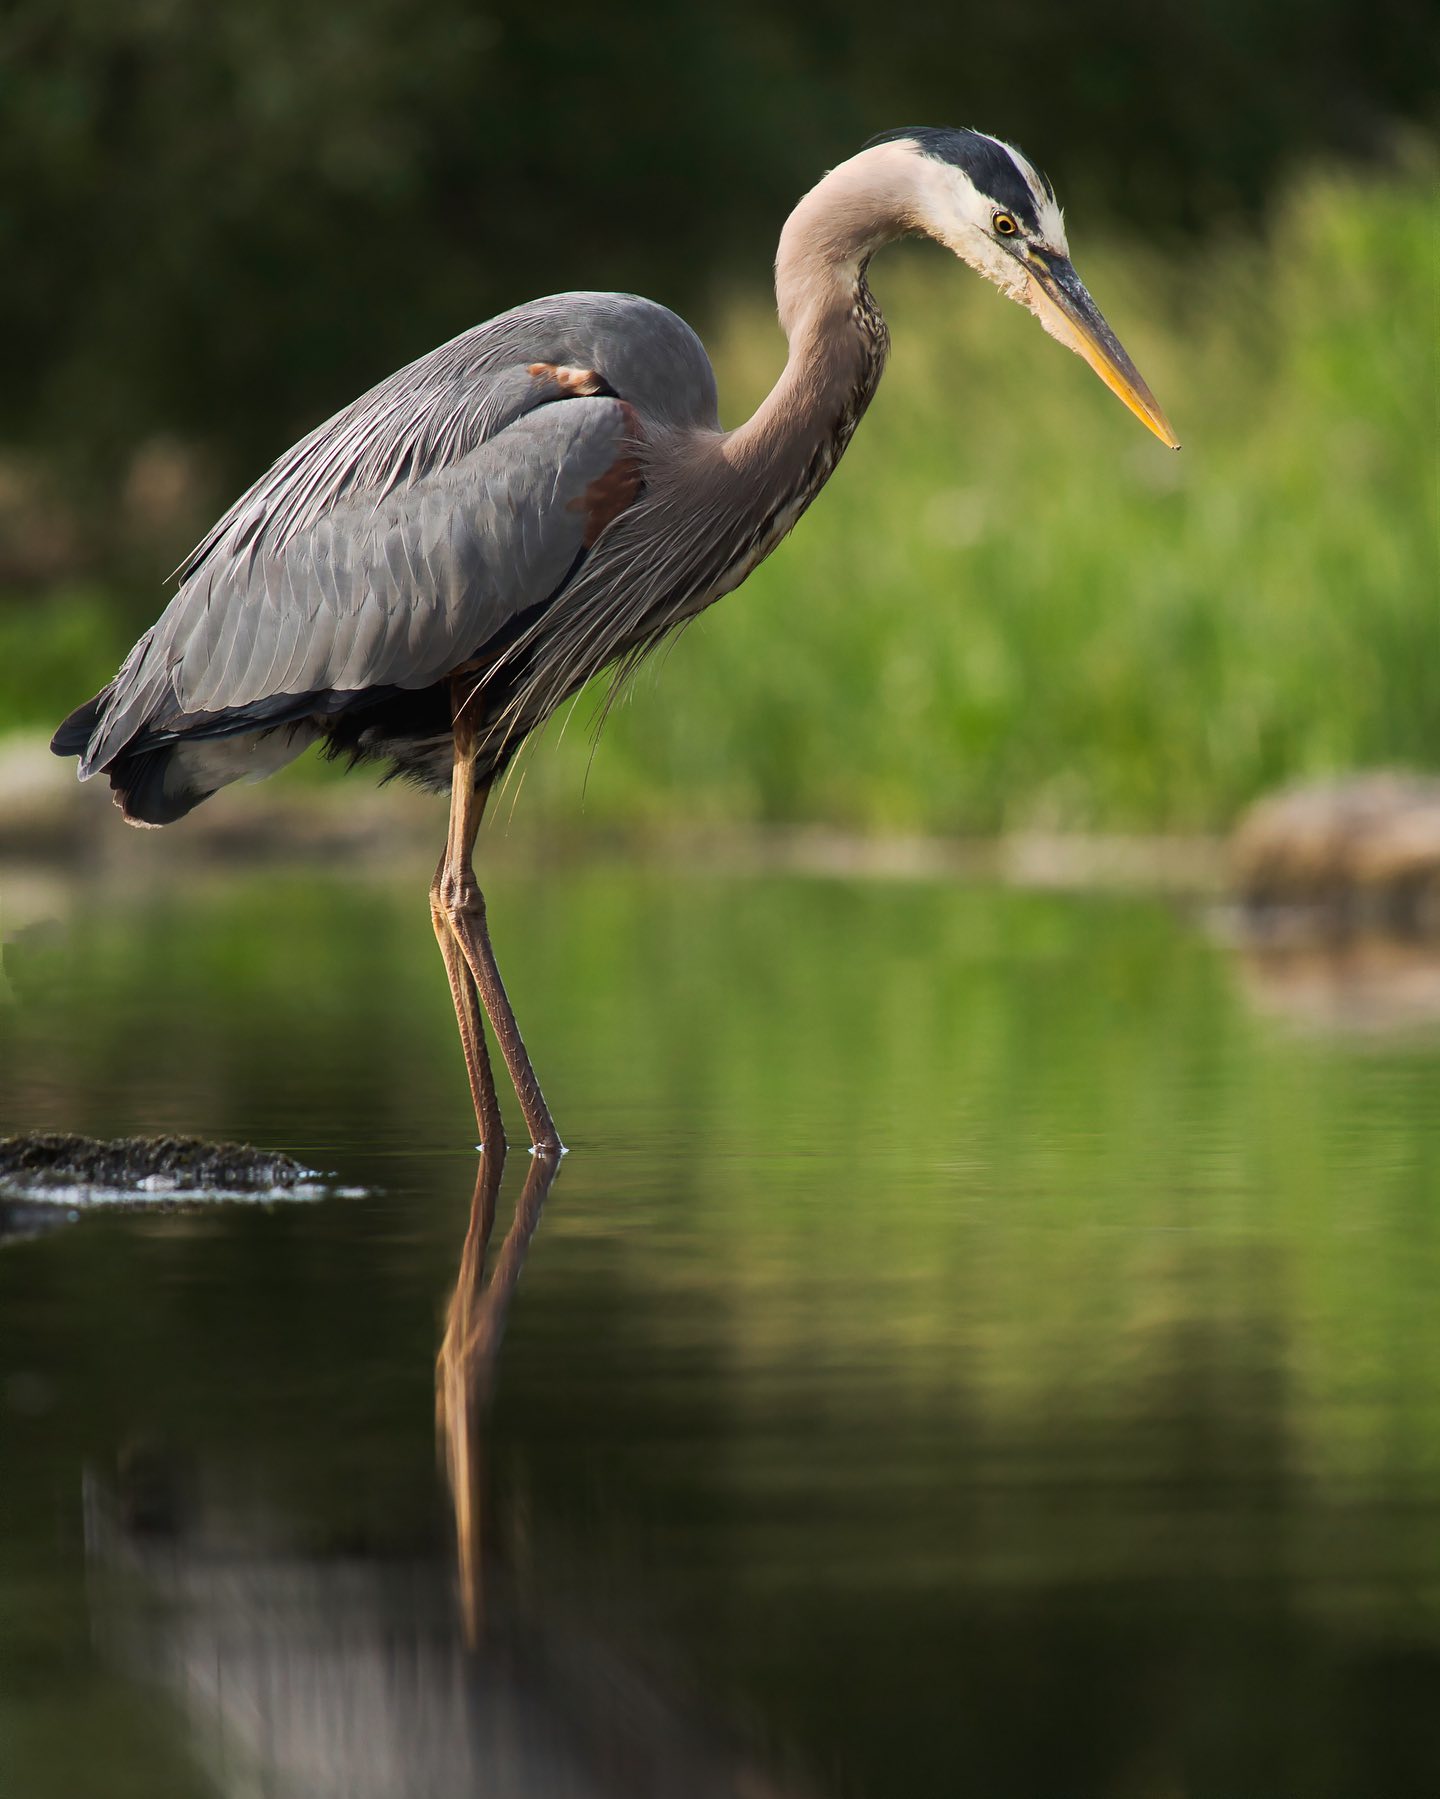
[390, 595]
[388, 546]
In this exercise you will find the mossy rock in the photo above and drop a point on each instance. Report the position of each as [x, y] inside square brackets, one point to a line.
[175, 1167]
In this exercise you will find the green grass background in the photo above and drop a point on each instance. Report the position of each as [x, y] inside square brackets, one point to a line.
[1012, 607]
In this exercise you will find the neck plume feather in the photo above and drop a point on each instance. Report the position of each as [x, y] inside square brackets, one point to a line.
[820, 293]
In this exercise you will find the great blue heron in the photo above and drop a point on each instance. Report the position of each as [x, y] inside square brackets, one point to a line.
[427, 576]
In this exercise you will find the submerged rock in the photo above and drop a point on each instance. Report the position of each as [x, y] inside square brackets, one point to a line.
[62, 1168]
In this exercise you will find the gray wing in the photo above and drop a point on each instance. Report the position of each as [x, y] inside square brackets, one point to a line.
[388, 546]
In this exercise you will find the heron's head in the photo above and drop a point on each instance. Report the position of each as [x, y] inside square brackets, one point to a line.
[983, 200]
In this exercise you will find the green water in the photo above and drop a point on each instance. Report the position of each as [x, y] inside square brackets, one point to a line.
[970, 1348]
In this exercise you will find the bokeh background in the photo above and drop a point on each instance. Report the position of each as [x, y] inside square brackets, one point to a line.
[1011, 609]
[985, 1339]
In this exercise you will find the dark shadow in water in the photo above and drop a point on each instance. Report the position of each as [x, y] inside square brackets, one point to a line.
[307, 1676]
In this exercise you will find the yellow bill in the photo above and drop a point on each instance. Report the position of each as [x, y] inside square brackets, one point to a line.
[1059, 299]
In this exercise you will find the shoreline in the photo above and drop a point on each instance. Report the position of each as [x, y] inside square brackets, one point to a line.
[51, 823]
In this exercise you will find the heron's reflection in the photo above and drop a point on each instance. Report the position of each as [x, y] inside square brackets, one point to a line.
[465, 1367]
[312, 1672]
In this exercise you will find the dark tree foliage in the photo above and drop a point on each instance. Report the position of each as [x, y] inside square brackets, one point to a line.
[224, 220]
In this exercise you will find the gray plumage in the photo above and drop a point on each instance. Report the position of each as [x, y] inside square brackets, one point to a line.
[391, 544]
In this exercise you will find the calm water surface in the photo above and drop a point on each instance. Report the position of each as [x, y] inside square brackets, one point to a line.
[971, 1349]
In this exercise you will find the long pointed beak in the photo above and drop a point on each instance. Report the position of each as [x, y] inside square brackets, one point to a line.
[1059, 299]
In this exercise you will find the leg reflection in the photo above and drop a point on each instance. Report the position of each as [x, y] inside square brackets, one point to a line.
[465, 1367]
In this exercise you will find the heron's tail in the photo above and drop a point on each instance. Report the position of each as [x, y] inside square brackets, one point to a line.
[138, 778]
[157, 782]
[73, 737]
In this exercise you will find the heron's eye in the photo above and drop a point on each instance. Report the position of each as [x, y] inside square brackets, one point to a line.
[1004, 224]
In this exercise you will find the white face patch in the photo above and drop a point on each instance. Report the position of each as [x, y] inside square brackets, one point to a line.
[952, 210]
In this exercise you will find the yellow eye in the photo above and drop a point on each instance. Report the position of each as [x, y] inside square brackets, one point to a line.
[1004, 224]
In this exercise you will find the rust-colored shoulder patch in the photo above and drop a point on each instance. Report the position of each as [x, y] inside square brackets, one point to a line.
[568, 379]
[608, 495]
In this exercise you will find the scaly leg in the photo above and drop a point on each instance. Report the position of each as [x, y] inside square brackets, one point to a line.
[468, 1017]
[457, 905]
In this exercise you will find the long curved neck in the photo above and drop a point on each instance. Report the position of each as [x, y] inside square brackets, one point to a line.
[836, 336]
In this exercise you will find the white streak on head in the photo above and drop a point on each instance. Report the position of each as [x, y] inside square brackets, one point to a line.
[1052, 219]
[952, 209]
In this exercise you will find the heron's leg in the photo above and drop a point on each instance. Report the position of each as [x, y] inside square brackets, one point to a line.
[456, 899]
[468, 1017]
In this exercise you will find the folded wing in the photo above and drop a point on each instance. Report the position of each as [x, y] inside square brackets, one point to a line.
[323, 586]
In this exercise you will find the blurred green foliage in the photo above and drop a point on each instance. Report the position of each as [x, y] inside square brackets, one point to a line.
[73, 638]
[222, 221]
[1011, 606]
